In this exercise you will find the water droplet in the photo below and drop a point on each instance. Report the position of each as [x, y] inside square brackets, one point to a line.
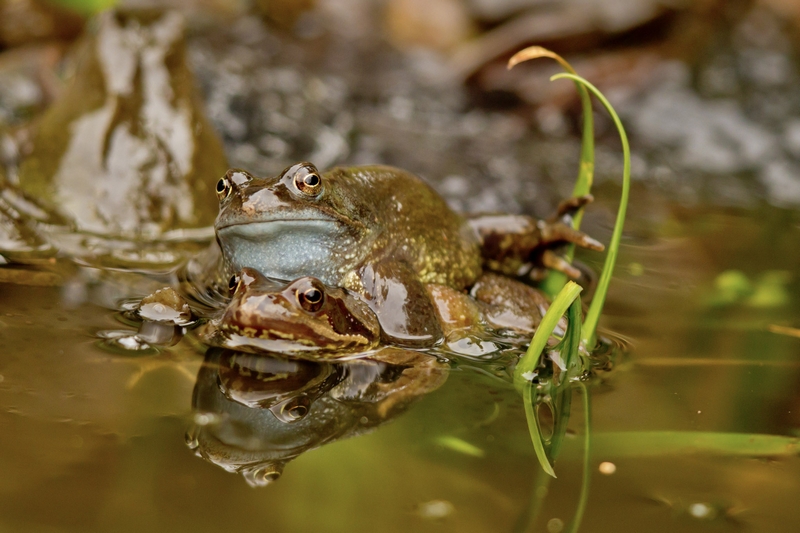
[555, 525]
[435, 509]
[607, 468]
[702, 511]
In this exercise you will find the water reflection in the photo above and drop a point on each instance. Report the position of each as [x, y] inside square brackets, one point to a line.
[255, 413]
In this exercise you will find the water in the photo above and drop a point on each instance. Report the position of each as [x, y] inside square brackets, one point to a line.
[96, 441]
[706, 296]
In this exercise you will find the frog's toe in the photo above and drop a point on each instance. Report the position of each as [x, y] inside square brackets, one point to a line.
[559, 232]
[555, 262]
[570, 206]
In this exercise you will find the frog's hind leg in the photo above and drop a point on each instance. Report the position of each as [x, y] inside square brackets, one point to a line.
[402, 304]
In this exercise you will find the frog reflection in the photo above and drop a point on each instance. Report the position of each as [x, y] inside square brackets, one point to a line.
[254, 413]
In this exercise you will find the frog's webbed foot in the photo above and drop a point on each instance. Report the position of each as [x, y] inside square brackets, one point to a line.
[402, 304]
[516, 244]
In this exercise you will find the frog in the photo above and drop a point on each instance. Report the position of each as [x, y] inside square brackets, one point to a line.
[378, 231]
[126, 150]
[307, 319]
[304, 318]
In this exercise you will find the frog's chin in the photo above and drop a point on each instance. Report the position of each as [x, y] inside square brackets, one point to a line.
[285, 249]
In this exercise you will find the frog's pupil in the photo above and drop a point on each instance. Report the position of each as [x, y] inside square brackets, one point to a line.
[313, 296]
[233, 282]
[221, 186]
[298, 411]
[312, 180]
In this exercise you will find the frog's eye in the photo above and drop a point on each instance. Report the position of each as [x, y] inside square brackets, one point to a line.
[307, 180]
[311, 299]
[233, 283]
[224, 188]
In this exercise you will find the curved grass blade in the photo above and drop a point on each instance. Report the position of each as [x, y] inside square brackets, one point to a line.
[593, 315]
[535, 429]
[566, 299]
[583, 185]
[530, 360]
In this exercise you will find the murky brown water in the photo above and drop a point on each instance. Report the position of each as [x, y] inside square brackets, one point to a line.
[96, 442]
[705, 293]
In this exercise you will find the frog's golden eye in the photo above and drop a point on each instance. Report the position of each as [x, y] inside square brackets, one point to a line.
[311, 299]
[233, 283]
[307, 180]
[224, 188]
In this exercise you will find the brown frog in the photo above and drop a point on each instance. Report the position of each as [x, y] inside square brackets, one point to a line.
[378, 231]
[307, 319]
[303, 318]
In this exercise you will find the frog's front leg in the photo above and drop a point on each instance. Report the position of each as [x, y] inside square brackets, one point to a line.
[514, 244]
[402, 304]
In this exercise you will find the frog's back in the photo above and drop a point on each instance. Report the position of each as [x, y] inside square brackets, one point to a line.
[415, 225]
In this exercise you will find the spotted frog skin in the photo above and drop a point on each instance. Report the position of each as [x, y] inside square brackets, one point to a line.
[378, 231]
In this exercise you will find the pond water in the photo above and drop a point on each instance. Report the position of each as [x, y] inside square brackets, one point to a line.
[97, 442]
[705, 299]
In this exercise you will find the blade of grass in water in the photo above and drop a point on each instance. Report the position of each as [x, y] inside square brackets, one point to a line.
[530, 360]
[575, 523]
[555, 281]
[535, 429]
[567, 298]
[593, 315]
[660, 443]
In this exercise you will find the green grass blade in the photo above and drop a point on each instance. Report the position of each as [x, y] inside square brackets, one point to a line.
[562, 407]
[555, 281]
[535, 429]
[660, 443]
[593, 316]
[572, 340]
[530, 360]
[575, 524]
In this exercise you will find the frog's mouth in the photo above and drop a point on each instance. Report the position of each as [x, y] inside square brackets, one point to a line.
[264, 229]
